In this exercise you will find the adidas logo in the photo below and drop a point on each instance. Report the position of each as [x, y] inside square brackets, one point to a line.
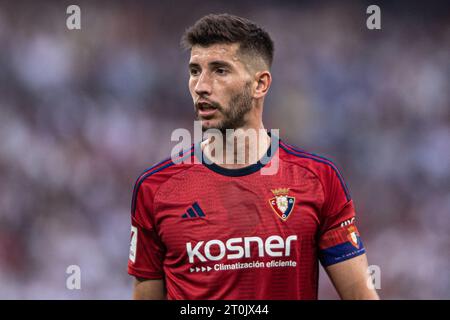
[194, 212]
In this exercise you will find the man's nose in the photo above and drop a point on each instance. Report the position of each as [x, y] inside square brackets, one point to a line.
[203, 85]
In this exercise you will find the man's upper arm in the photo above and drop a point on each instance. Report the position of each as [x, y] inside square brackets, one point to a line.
[146, 248]
[352, 280]
[341, 250]
[339, 238]
[145, 289]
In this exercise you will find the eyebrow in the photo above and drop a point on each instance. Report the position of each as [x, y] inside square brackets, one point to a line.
[216, 63]
[219, 63]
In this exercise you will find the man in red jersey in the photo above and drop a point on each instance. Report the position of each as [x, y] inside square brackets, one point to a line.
[220, 230]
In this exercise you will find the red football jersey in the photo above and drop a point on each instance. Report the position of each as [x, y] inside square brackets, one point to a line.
[216, 233]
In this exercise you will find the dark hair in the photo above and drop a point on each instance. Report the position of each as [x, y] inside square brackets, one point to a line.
[227, 28]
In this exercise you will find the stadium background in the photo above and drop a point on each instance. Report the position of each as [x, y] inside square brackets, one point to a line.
[82, 113]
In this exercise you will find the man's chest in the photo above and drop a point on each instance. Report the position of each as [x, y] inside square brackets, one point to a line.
[237, 218]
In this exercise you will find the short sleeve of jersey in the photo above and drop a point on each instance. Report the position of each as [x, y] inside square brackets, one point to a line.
[146, 249]
[339, 238]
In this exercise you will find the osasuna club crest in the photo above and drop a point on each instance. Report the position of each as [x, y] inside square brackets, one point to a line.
[352, 236]
[282, 203]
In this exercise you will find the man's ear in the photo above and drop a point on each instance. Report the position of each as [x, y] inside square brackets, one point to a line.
[263, 80]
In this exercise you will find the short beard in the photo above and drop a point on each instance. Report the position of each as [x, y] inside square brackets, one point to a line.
[234, 116]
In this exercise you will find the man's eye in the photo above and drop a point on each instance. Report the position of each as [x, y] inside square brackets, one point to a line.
[193, 72]
[221, 71]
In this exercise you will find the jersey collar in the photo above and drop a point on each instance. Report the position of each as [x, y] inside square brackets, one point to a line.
[241, 171]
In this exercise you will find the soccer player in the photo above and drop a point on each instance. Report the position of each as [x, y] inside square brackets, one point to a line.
[219, 230]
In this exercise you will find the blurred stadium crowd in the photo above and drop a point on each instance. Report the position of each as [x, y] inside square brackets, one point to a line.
[83, 113]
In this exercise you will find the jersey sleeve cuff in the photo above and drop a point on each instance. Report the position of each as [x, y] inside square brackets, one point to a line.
[340, 252]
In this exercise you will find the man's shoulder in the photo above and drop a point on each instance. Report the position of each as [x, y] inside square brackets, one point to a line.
[163, 170]
[302, 157]
[324, 168]
[153, 177]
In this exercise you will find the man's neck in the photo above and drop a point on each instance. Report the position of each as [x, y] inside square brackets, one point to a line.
[237, 148]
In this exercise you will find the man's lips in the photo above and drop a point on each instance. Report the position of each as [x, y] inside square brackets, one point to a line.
[206, 113]
[205, 110]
